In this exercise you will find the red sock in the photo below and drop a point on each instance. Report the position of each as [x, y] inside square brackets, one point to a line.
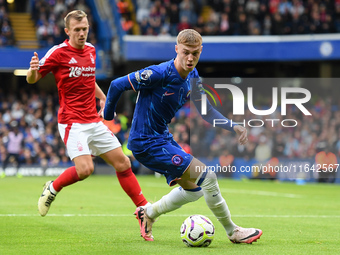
[130, 185]
[68, 177]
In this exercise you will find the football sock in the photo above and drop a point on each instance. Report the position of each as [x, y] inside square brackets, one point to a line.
[53, 191]
[172, 201]
[130, 185]
[216, 202]
[68, 177]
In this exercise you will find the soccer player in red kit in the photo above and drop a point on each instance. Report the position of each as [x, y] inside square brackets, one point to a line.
[73, 66]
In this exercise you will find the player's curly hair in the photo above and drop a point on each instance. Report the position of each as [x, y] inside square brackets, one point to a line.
[76, 14]
[189, 37]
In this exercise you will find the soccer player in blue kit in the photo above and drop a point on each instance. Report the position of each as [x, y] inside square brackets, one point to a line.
[162, 91]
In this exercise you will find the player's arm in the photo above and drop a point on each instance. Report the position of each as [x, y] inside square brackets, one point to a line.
[33, 74]
[225, 123]
[117, 87]
[101, 96]
[143, 79]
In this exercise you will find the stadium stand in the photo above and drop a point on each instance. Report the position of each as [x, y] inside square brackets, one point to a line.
[49, 23]
[239, 17]
[34, 113]
[6, 31]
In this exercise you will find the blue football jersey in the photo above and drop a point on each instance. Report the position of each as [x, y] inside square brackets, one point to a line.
[161, 93]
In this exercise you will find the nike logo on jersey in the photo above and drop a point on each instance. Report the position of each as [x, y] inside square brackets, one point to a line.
[167, 93]
[73, 61]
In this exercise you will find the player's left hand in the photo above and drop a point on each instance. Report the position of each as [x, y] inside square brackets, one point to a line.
[102, 106]
[242, 134]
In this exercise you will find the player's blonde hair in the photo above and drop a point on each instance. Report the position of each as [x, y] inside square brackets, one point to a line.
[189, 37]
[76, 14]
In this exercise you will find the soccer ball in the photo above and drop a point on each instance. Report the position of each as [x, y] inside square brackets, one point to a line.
[197, 231]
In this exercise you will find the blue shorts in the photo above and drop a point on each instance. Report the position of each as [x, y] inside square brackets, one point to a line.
[167, 158]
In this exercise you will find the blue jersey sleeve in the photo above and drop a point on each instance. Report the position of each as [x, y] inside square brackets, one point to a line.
[147, 78]
[117, 87]
[212, 113]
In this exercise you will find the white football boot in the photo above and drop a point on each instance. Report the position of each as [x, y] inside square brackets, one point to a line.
[45, 200]
[245, 235]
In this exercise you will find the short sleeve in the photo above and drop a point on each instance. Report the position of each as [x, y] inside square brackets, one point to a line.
[48, 62]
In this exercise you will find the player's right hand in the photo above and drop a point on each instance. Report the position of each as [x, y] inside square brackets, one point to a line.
[242, 134]
[34, 64]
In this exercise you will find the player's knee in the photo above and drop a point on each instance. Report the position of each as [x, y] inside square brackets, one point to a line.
[209, 180]
[85, 171]
[122, 163]
[193, 195]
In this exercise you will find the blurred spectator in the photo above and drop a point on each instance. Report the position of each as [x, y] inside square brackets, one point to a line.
[326, 165]
[143, 10]
[241, 26]
[279, 146]
[186, 8]
[263, 150]
[211, 27]
[184, 24]
[127, 24]
[14, 146]
[173, 15]
[6, 33]
[224, 28]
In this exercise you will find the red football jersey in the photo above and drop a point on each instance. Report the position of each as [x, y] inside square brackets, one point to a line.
[74, 72]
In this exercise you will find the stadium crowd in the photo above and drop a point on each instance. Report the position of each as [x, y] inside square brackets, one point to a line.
[238, 17]
[6, 31]
[28, 132]
[209, 17]
[49, 16]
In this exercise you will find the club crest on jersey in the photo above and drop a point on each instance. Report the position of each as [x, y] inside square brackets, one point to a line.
[177, 160]
[146, 74]
[137, 76]
[92, 58]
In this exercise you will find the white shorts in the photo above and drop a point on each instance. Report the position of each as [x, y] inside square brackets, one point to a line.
[87, 139]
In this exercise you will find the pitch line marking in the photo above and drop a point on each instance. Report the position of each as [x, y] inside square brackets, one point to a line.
[243, 191]
[261, 193]
[169, 215]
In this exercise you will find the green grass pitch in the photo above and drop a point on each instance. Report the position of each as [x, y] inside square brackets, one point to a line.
[96, 217]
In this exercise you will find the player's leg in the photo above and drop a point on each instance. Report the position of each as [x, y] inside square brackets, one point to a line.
[176, 198]
[197, 175]
[216, 203]
[83, 168]
[106, 145]
[75, 139]
[126, 177]
[166, 158]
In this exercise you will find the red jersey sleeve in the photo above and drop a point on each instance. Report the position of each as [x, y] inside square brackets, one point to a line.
[49, 62]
